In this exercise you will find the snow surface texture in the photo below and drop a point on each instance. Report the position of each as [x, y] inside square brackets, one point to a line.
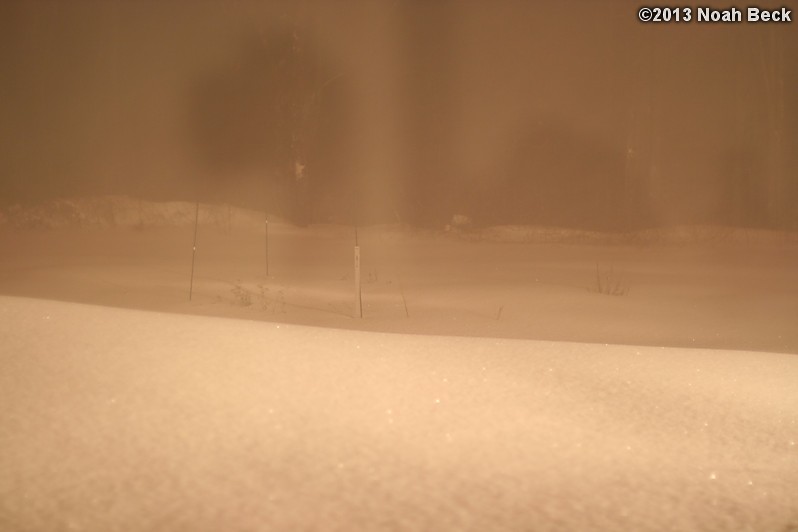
[117, 419]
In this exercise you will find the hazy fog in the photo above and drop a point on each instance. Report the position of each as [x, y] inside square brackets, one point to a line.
[599, 332]
[568, 114]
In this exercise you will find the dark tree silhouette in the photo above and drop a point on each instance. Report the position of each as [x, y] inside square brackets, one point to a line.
[268, 111]
[554, 176]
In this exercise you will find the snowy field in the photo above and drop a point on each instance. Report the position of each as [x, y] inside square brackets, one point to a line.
[530, 401]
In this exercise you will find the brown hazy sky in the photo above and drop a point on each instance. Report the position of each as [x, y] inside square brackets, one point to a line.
[95, 93]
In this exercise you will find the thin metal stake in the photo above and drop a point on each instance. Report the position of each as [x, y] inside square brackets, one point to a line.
[358, 298]
[193, 253]
[267, 245]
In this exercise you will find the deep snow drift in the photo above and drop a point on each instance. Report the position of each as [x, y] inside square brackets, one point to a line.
[118, 419]
[297, 416]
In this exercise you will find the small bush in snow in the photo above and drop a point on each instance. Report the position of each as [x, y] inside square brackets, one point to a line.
[609, 283]
[241, 295]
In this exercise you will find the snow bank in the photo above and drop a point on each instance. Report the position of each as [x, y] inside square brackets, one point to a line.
[677, 235]
[121, 211]
[122, 420]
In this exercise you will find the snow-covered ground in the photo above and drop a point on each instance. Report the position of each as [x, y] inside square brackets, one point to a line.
[127, 407]
[686, 287]
[117, 419]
